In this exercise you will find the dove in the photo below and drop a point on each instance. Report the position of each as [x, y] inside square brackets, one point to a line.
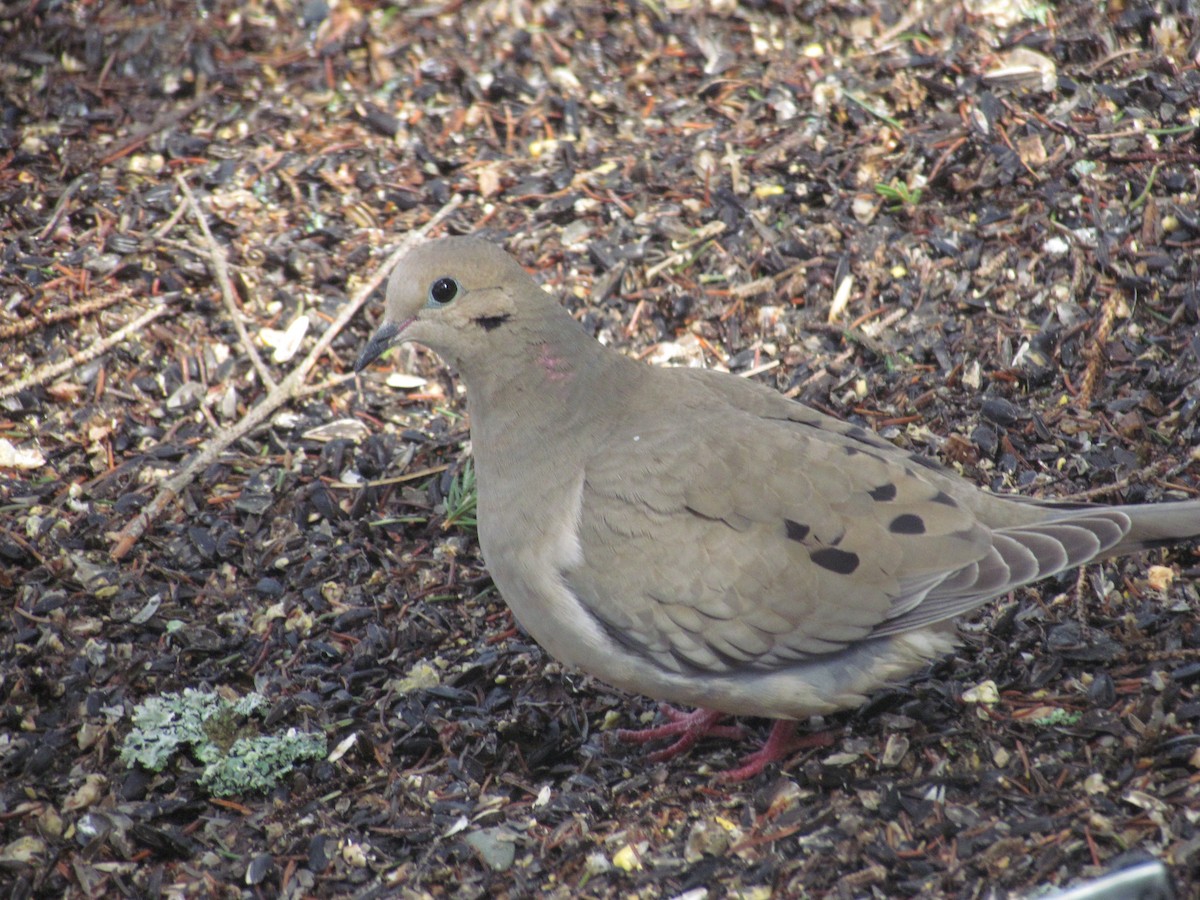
[701, 539]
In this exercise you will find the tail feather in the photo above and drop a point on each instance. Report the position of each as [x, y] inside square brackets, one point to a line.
[1157, 525]
[1046, 545]
[1021, 554]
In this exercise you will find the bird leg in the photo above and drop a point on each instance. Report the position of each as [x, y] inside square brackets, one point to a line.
[688, 728]
[781, 743]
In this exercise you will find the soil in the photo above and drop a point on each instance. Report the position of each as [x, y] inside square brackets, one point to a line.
[972, 227]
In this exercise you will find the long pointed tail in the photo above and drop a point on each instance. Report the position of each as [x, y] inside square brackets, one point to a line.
[1157, 525]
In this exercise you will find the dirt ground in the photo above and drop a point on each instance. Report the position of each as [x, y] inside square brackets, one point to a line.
[970, 226]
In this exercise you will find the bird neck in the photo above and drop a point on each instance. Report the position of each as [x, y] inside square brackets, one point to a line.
[512, 401]
[560, 351]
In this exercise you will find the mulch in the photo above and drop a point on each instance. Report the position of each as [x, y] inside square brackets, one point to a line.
[970, 227]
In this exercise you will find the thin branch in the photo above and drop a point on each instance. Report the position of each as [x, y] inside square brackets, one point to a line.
[1156, 471]
[162, 123]
[290, 387]
[221, 271]
[37, 321]
[333, 381]
[61, 205]
[161, 231]
[45, 373]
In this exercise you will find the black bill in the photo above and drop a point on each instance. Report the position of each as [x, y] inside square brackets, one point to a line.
[380, 341]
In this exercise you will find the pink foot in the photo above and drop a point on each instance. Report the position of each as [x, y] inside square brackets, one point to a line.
[781, 743]
[688, 728]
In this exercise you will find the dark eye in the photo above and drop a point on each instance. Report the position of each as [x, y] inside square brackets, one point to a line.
[443, 291]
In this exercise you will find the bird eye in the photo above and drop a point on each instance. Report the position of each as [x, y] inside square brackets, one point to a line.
[443, 291]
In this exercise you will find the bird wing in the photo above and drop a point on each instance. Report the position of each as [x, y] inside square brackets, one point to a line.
[721, 536]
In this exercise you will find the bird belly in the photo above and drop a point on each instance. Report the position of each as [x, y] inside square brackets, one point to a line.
[543, 602]
[819, 686]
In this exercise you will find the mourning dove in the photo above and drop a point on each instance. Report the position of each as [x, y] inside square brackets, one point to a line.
[699, 538]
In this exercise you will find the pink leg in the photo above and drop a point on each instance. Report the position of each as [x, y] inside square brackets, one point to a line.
[687, 728]
[781, 742]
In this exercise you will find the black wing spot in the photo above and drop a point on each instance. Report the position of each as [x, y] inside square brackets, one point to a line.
[908, 523]
[840, 562]
[491, 323]
[883, 493]
[858, 433]
[796, 531]
[943, 498]
[925, 462]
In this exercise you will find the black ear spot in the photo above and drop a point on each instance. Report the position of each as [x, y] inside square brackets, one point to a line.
[491, 323]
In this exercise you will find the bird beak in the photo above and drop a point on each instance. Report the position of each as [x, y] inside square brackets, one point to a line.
[381, 341]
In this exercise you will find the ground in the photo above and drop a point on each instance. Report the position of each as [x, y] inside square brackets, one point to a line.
[971, 226]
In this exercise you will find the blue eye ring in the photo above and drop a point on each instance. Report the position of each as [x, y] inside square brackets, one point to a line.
[443, 291]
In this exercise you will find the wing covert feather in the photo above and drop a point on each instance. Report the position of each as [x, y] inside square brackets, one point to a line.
[755, 561]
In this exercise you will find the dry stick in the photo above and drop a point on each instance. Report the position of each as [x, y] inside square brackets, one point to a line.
[164, 229]
[1163, 468]
[221, 272]
[163, 122]
[1095, 351]
[54, 316]
[140, 136]
[187, 247]
[45, 373]
[291, 386]
[916, 13]
[61, 205]
[333, 381]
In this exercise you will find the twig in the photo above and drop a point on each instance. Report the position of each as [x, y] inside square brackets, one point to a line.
[290, 387]
[917, 13]
[221, 271]
[190, 248]
[45, 373]
[1163, 468]
[164, 229]
[1094, 353]
[332, 382]
[23, 327]
[383, 482]
[855, 336]
[61, 205]
[163, 122]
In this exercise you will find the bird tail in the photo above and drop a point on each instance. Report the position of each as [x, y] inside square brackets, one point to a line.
[1157, 525]
[1062, 537]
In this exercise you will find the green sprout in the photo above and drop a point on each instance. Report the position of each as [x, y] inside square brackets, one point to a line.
[462, 498]
[1059, 717]
[898, 194]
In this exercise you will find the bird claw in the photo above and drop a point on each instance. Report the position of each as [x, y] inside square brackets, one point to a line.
[688, 728]
[781, 743]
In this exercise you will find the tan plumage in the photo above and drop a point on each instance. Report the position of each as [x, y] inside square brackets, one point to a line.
[699, 538]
